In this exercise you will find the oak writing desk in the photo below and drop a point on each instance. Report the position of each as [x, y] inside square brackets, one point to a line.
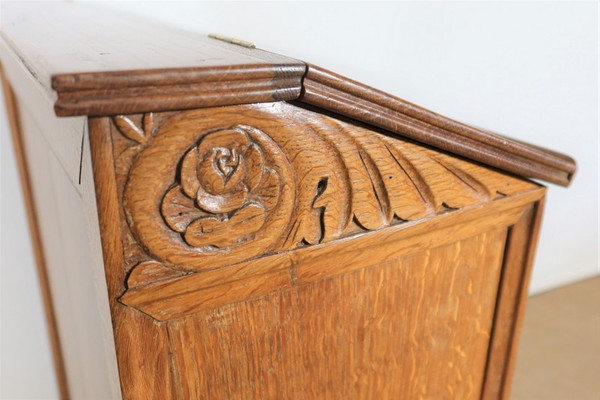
[214, 221]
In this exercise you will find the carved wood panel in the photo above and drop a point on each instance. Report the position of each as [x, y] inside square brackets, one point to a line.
[204, 189]
[346, 230]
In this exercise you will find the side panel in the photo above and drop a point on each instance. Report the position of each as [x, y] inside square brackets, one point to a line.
[275, 252]
[413, 327]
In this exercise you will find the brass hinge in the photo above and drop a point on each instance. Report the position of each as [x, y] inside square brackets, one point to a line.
[231, 40]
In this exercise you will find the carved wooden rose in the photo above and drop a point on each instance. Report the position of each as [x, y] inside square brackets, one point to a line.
[224, 190]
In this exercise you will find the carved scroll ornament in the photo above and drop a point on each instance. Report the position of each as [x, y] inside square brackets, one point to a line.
[215, 187]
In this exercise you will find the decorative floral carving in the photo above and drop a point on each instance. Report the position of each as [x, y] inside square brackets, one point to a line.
[224, 187]
[213, 187]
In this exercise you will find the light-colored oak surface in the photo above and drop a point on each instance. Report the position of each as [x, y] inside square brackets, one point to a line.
[279, 177]
[412, 327]
[234, 184]
[332, 202]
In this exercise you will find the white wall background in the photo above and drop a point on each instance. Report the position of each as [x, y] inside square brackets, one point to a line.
[526, 69]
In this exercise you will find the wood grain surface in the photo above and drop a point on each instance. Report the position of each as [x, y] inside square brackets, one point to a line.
[320, 317]
[510, 305]
[280, 178]
[158, 292]
[413, 327]
[140, 342]
[348, 244]
[78, 293]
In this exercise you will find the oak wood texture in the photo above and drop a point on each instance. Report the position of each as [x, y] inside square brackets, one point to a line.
[139, 73]
[510, 305]
[341, 180]
[36, 237]
[212, 327]
[280, 177]
[144, 371]
[365, 341]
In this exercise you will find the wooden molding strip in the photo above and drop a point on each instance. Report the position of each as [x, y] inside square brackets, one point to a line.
[338, 94]
[127, 92]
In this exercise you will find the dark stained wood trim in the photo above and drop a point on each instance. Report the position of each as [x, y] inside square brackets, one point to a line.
[126, 92]
[511, 300]
[176, 76]
[333, 92]
[36, 238]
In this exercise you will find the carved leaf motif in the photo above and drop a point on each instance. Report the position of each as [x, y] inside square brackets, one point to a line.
[148, 124]
[179, 210]
[148, 272]
[214, 231]
[132, 131]
[228, 193]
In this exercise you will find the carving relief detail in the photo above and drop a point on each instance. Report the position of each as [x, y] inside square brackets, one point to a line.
[213, 187]
[224, 190]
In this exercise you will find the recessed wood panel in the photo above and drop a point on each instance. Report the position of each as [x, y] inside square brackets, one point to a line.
[414, 327]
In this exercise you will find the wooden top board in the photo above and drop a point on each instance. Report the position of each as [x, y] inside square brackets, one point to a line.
[95, 62]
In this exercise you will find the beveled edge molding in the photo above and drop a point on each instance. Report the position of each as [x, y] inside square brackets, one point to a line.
[176, 297]
[110, 93]
[333, 92]
[128, 92]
